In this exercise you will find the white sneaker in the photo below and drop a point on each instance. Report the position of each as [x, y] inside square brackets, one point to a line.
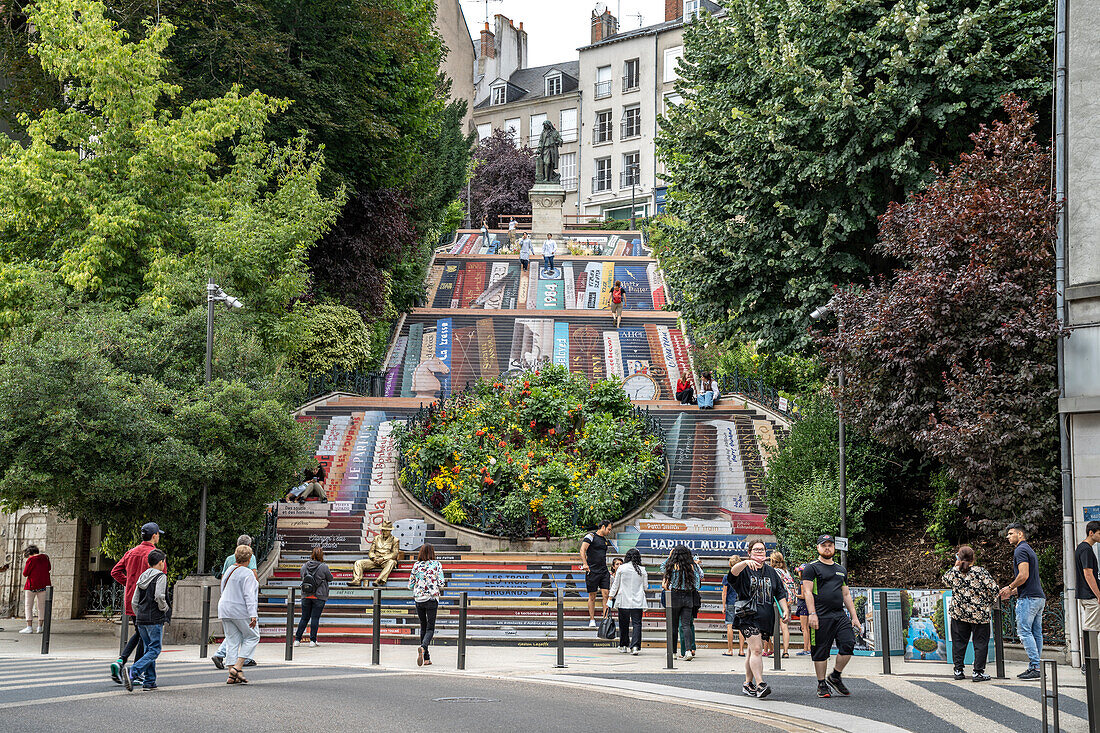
[634, 651]
[38, 630]
[689, 656]
[313, 643]
[591, 623]
[623, 650]
[297, 643]
[27, 630]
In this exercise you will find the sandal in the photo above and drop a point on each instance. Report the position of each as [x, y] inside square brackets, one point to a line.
[740, 654]
[727, 654]
[235, 677]
[786, 655]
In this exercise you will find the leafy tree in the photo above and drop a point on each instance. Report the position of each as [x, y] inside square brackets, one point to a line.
[503, 175]
[802, 120]
[955, 354]
[336, 338]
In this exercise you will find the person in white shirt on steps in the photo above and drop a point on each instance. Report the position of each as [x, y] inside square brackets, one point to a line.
[628, 596]
[549, 247]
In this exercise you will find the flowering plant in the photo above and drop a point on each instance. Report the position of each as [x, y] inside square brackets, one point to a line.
[544, 453]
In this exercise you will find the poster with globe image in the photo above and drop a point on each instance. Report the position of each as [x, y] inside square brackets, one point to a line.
[926, 633]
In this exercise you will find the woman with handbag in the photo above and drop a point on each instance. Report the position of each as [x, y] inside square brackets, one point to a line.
[683, 576]
[426, 581]
[757, 585]
[628, 593]
[237, 611]
[315, 579]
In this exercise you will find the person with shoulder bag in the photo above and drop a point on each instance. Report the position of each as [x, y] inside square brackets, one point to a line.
[628, 595]
[315, 579]
[973, 593]
[237, 611]
[757, 585]
[683, 576]
[426, 581]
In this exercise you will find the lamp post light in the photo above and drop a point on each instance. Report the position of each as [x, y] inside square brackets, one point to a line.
[214, 294]
[817, 315]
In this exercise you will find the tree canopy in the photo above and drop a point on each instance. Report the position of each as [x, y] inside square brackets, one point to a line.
[503, 175]
[802, 120]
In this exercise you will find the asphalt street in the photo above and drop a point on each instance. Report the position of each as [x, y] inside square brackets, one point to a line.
[78, 695]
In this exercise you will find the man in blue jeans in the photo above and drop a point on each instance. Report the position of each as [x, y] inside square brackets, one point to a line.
[1032, 600]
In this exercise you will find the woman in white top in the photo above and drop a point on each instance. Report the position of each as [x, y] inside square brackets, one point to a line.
[628, 592]
[237, 611]
[549, 247]
[708, 392]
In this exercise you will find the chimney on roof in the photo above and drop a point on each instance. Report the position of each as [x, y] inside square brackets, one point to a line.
[674, 10]
[488, 45]
[604, 25]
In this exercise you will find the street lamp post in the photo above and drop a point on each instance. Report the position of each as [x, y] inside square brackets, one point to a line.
[818, 314]
[214, 294]
[633, 182]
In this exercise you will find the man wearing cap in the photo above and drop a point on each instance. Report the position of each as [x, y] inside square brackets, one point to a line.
[825, 590]
[384, 554]
[127, 571]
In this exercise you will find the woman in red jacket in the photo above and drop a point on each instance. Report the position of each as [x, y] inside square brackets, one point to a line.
[37, 572]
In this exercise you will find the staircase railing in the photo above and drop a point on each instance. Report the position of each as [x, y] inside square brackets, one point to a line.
[758, 391]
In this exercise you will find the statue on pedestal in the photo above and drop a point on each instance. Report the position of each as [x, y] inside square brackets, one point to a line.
[546, 161]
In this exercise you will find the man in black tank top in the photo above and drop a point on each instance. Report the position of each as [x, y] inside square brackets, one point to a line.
[825, 589]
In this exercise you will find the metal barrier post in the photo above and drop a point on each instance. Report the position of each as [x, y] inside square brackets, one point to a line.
[205, 628]
[670, 632]
[376, 628]
[124, 632]
[290, 598]
[561, 630]
[463, 602]
[999, 640]
[777, 642]
[46, 616]
[884, 631]
[1051, 695]
[1092, 678]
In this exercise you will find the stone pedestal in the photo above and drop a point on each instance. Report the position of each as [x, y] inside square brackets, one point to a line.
[186, 626]
[547, 200]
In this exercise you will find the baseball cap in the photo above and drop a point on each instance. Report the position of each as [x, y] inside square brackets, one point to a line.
[826, 538]
[150, 528]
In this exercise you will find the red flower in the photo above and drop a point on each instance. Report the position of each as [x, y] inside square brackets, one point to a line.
[488, 481]
[480, 432]
[532, 423]
[551, 431]
[454, 470]
[527, 383]
[530, 454]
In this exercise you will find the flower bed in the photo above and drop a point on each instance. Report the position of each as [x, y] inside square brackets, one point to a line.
[544, 454]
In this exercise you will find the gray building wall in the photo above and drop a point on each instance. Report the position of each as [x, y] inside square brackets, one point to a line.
[450, 22]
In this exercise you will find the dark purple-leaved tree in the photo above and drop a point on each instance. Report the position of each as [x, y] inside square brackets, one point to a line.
[503, 174]
[955, 353]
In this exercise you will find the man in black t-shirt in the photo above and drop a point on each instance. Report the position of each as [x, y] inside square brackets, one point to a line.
[1087, 591]
[594, 564]
[825, 589]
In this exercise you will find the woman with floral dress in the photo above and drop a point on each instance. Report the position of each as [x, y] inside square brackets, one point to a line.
[426, 581]
[973, 593]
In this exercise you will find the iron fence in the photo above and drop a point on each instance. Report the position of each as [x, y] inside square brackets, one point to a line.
[1054, 621]
[105, 598]
[758, 391]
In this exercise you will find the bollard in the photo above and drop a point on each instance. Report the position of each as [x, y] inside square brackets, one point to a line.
[884, 630]
[777, 642]
[561, 630]
[124, 632]
[47, 617]
[1051, 695]
[290, 598]
[670, 632]
[376, 628]
[1092, 678]
[999, 640]
[463, 602]
[205, 632]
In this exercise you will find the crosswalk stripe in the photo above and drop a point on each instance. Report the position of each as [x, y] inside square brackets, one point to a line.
[946, 710]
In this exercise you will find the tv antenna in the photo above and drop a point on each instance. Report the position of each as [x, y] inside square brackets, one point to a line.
[487, 7]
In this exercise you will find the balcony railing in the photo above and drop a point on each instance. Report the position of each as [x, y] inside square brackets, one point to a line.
[568, 135]
[569, 183]
[630, 128]
[630, 178]
[601, 182]
[603, 89]
[631, 83]
[601, 134]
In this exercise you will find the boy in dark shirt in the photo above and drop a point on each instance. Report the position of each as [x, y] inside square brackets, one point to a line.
[825, 590]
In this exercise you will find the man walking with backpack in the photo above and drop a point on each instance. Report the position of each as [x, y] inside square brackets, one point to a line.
[127, 571]
[151, 613]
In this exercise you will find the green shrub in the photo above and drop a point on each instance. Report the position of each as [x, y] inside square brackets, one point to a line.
[792, 374]
[944, 518]
[336, 338]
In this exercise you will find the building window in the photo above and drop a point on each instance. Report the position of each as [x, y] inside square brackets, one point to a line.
[602, 131]
[512, 128]
[603, 82]
[632, 172]
[536, 129]
[484, 131]
[632, 123]
[500, 95]
[691, 7]
[553, 85]
[672, 57]
[602, 180]
[568, 127]
[631, 79]
[567, 165]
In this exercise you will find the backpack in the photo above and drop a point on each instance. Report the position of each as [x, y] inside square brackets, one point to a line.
[617, 296]
[309, 585]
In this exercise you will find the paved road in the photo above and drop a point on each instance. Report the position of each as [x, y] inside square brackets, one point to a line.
[78, 695]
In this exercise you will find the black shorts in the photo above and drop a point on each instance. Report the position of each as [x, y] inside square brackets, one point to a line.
[594, 581]
[834, 627]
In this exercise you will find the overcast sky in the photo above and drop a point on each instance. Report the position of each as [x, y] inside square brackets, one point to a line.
[555, 30]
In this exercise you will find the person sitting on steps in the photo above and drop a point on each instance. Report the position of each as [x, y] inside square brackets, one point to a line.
[312, 486]
[383, 555]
